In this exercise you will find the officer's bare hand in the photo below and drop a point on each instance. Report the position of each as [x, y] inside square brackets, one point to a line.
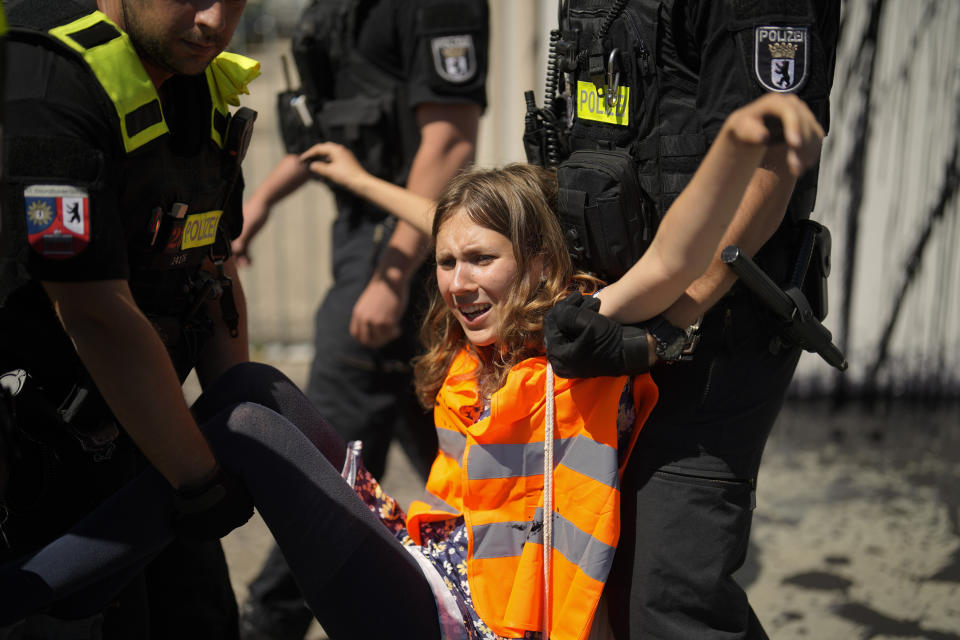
[255, 215]
[785, 124]
[377, 313]
[336, 163]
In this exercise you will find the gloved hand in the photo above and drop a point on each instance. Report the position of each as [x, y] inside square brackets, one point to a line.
[581, 343]
[213, 509]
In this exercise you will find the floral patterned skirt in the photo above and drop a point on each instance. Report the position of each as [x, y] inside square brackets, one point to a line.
[444, 547]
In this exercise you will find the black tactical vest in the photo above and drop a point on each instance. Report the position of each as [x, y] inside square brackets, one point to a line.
[349, 100]
[173, 175]
[626, 136]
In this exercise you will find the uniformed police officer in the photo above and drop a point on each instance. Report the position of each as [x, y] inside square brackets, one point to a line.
[652, 81]
[121, 192]
[406, 99]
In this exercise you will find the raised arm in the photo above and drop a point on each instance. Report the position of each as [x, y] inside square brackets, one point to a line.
[689, 234]
[289, 175]
[336, 163]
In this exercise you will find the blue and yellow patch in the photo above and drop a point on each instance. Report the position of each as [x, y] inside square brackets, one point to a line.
[58, 219]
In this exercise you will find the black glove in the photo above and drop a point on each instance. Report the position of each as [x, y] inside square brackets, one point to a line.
[213, 509]
[581, 343]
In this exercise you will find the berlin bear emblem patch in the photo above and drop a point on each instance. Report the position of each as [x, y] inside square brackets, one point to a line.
[58, 219]
[454, 58]
[780, 57]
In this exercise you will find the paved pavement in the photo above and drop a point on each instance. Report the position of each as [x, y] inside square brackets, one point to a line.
[856, 534]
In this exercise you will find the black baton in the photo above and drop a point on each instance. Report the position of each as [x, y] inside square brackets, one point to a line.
[791, 306]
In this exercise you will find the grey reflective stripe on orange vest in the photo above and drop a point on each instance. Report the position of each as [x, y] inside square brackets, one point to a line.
[506, 539]
[581, 454]
[452, 443]
[436, 504]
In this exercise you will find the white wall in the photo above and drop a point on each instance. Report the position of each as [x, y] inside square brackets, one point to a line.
[914, 127]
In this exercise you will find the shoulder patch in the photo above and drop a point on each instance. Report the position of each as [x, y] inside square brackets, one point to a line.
[58, 219]
[780, 57]
[454, 58]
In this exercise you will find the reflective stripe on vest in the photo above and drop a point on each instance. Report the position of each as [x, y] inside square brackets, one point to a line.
[583, 455]
[505, 539]
[436, 504]
[498, 484]
[109, 53]
[452, 443]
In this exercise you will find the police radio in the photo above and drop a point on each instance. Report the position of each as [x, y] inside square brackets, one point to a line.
[298, 127]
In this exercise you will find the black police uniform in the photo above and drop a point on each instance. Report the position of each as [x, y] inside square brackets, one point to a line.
[682, 66]
[407, 53]
[401, 62]
[86, 199]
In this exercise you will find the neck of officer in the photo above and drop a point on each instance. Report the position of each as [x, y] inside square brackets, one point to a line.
[114, 10]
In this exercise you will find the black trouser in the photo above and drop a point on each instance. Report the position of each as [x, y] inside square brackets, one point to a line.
[365, 394]
[357, 578]
[54, 482]
[689, 489]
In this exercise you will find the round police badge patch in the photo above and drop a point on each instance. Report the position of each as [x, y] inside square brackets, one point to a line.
[454, 58]
[780, 57]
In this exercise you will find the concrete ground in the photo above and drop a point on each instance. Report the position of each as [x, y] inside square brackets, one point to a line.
[856, 533]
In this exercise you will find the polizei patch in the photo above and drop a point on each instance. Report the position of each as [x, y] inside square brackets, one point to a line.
[780, 57]
[454, 58]
[58, 219]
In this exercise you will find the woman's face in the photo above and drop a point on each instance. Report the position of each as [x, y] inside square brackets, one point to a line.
[475, 272]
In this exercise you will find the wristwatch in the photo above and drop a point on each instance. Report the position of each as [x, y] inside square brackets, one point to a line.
[673, 343]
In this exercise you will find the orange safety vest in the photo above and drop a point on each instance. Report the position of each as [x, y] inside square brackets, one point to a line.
[491, 472]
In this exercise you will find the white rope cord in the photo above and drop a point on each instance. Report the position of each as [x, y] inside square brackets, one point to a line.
[548, 438]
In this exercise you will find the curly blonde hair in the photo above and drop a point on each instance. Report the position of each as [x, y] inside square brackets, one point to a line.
[519, 202]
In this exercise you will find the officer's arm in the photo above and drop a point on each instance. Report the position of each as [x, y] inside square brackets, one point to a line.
[756, 218]
[448, 138]
[760, 213]
[285, 178]
[223, 350]
[721, 90]
[448, 134]
[727, 188]
[130, 365]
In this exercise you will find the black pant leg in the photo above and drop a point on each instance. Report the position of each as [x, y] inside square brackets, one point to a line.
[688, 490]
[275, 608]
[345, 561]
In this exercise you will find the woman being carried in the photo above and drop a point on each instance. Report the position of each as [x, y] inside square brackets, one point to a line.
[468, 560]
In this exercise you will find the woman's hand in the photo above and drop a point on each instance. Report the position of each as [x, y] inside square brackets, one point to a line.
[335, 163]
[776, 120]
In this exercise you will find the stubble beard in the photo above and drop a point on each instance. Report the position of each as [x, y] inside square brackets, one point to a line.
[155, 48]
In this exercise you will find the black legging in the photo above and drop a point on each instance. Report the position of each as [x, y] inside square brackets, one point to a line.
[357, 578]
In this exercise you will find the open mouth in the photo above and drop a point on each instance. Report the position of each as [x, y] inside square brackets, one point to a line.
[473, 311]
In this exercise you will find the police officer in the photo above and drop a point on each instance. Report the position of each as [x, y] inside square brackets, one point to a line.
[406, 98]
[651, 82]
[121, 192]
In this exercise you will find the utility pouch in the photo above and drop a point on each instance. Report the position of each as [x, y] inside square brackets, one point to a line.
[816, 241]
[607, 217]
